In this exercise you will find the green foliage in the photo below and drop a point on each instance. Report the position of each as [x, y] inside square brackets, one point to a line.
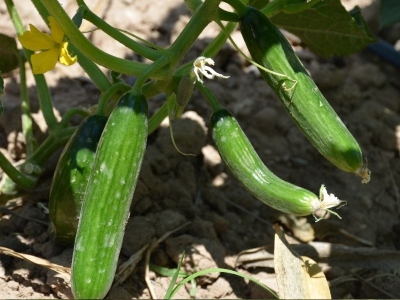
[390, 13]
[323, 25]
[326, 28]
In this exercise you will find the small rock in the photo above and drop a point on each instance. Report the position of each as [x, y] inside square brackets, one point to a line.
[214, 198]
[220, 223]
[13, 285]
[119, 293]
[168, 220]
[159, 257]
[203, 229]
[49, 249]
[138, 232]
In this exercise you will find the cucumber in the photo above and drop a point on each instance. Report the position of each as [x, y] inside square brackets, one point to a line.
[71, 177]
[107, 200]
[183, 95]
[246, 166]
[299, 94]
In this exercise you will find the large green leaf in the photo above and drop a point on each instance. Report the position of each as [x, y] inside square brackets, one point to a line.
[327, 29]
[390, 12]
[8, 54]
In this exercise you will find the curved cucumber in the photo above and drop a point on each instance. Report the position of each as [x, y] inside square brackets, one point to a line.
[301, 97]
[246, 166]
[107, 200]
[71, 177]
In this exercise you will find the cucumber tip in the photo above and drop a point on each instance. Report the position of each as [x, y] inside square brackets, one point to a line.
[364, 173]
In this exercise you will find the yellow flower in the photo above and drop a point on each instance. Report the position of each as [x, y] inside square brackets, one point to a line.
[53, 47]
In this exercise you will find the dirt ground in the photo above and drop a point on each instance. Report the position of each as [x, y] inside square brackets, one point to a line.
[224, 220]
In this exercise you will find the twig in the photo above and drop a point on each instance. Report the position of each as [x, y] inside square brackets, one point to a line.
[356, 238]
[7, 211]
[153, 245]
[37, 260]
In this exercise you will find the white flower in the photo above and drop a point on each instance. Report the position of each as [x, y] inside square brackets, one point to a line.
[200, 67]
[327, 201]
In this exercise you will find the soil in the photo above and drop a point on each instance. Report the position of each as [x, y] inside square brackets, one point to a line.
[224, 219]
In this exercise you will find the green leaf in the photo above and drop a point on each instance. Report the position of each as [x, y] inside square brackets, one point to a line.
[8, 54]
[327, 29]
[259, 4]
[390, 12]
[287, 6]
[356, 14]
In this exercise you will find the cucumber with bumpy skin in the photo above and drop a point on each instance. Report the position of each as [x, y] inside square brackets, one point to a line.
[246, 166]
[105, 209]
[299, 94]
[71, 177]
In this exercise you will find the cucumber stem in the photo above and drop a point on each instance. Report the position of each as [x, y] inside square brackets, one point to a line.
[26, 118]
[70, 113]
[238, 5]
[120, 37]
[120, 87]
[212, 100]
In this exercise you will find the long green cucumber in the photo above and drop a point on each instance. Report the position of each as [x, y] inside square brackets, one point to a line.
[246, 166]
[299, 94]
[71, 177]
[107, 200]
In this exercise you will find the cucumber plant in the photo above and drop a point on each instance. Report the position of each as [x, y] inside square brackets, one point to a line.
[98, 170]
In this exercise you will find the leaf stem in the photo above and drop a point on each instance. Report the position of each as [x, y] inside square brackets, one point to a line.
[202, 16]
[26, 118]
[41, 85]
[22, 180]
[212, 100]
[119, 36]
[119, 88]
[238, 5]
[92, 52]
[70, 113]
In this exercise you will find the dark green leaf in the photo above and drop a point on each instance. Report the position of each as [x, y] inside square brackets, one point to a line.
[8, 54]
[287, 6]
[390, 12]
[327, 29]
[258, 3]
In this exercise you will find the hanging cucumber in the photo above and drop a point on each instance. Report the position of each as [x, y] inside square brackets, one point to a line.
[107, 200]
[71, 177]
[297, 91]
[246, 166]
